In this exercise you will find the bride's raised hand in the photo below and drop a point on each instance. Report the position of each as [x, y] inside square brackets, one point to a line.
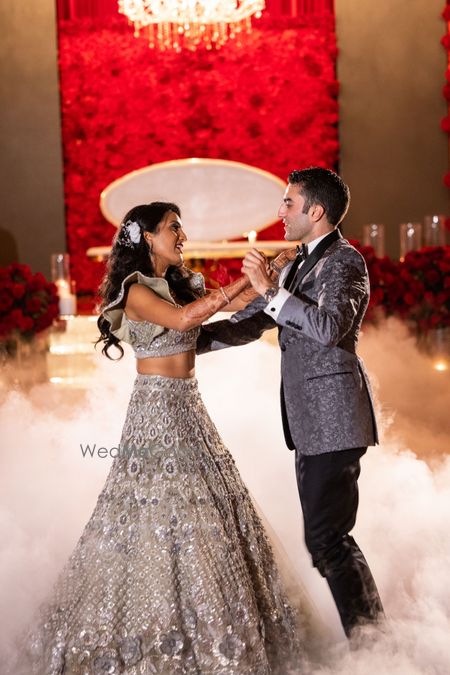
[274, 269]
[280, 262]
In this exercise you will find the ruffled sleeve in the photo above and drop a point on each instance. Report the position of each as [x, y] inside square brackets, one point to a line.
[114, 312]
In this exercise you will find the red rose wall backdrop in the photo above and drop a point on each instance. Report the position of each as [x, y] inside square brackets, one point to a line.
[271, 103]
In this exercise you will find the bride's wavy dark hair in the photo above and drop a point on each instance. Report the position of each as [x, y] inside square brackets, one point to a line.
[127, 257]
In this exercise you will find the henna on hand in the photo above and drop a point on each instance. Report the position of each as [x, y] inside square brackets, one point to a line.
[198, 311]
[274, 269]
[280, 262]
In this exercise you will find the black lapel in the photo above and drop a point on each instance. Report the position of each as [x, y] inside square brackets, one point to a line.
[292, 272]
[314, 258]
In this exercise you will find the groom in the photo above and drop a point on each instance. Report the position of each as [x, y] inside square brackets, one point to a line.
[326, 407]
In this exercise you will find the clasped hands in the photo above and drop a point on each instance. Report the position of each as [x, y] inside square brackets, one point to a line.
[261, 274]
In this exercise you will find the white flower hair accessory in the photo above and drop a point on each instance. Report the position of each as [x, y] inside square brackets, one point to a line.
[130, 234]
[134, 231]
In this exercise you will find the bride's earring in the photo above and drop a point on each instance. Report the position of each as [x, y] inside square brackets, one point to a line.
[149, 244]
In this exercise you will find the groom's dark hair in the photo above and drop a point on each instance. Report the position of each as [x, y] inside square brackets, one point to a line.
[324, 187]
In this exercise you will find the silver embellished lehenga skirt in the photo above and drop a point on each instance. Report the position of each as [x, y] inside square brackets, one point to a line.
[173, 573]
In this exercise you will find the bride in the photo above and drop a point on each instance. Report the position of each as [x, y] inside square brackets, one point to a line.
[174, 572]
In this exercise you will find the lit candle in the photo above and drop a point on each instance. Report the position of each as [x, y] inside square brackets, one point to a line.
[68, 305]
[251, 236]
[63, 287]
[67, 300]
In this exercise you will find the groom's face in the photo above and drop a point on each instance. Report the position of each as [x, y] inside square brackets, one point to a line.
[297, 222]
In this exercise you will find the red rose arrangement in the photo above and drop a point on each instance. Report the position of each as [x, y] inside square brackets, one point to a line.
[423, 288]
[28, 302]
[416, 290]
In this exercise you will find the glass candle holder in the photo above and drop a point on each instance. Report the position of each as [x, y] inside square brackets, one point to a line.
[373, 235]
[60, 265]
[67, 298]
[434, 230]
[410, 238]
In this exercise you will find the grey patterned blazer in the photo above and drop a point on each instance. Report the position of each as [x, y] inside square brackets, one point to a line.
[326, 400]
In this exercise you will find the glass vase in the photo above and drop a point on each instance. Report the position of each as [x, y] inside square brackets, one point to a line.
[434, 230]
[373, 235]
[60, 264]
[410, 238]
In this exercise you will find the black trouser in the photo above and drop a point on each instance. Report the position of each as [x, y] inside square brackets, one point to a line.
[328, 488]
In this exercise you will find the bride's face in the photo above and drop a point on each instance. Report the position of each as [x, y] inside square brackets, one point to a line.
[167, 242]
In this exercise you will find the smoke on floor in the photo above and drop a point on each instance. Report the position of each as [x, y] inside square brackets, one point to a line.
[49, 483]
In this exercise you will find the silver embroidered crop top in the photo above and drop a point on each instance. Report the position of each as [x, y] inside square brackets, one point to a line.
[146, 338]
[145, 343]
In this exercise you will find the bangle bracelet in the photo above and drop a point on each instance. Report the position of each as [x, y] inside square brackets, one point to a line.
[225, 296]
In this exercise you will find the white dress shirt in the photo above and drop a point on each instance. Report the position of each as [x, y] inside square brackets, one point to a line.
[274, 307]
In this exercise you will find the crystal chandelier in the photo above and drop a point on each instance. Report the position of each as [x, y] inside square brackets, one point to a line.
[178, 24]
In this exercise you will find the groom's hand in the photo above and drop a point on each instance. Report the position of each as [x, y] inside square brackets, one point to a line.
[256, 268]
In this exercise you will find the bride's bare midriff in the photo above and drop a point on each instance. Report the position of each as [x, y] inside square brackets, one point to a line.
[177, 365]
